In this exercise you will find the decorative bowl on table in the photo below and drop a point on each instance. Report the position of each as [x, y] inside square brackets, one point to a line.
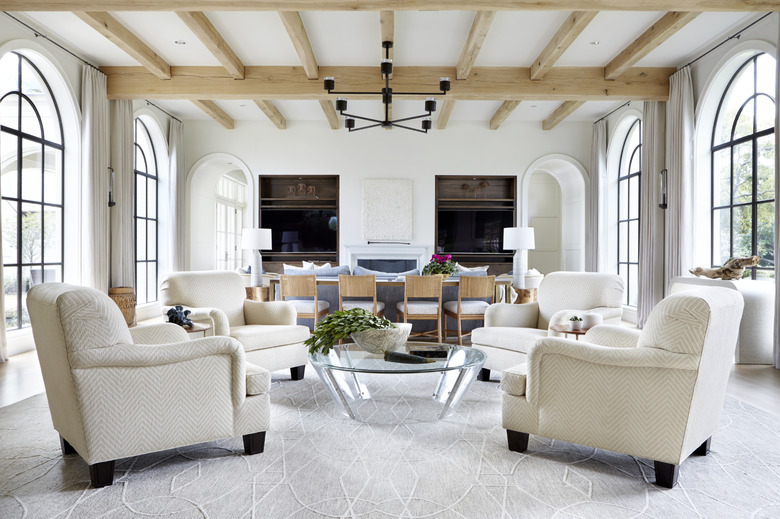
[384, 339]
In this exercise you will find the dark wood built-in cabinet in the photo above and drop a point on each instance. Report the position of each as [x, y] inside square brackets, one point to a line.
[471, 214]
[303, 214]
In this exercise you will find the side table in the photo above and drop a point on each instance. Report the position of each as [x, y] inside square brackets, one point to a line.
[564, 328]
[197, 328]
[525, 295]
[257, 293]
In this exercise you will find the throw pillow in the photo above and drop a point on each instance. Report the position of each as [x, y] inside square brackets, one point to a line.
[312, 265]
[461, 268]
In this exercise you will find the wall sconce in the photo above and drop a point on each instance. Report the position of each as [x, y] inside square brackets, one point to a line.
[663, 186]
[111, 202]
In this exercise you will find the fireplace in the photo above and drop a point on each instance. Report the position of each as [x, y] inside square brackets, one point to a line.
[387, 257]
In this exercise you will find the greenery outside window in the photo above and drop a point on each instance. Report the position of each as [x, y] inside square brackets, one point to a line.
[146, 184]
[628, 201]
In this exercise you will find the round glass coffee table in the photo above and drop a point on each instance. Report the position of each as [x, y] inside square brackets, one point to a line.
[339, 370]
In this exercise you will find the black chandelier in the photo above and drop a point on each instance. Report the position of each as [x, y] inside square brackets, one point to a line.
[386, 67]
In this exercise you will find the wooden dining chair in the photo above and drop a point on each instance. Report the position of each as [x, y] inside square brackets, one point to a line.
[471, 304]
[417, 287]
[363, 287]
[303, 286]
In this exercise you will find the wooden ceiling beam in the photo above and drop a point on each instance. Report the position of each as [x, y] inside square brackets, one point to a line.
[658, 33]
[330, 113]
[202, 27]
[506, 108]
[468, 55]
[485, 83]
[566, 34]
[562, 112]
[390, 5]
[294, 24]
[272, 113]
[444, 114]
[215, 112]
[387, 29]
[123, 38]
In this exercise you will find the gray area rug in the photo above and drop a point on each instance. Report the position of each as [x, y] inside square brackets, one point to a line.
[396, 461]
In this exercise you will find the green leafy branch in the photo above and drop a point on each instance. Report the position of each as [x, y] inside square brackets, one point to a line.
[340, 325]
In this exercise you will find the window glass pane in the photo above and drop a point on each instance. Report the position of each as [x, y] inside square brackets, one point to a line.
[140, 239]
[151, 281]
[721, 177]
[9, 183]
[623, 273]
[52, 175]
[765, 274]
[623, 200]
[9, 111]
[633, 241]
[11, 288]
[765, 74]
[741, 89]
[623, 241]
[636, 160]
[765, 113]
[9, 233]
[765, 238]
[721, 236]
[9, 73]
[38, 275]
[140, 283]
[26, 285]
[32, 172]
[140, 196]
[31, 124]
[633, 283]
[32, 233]
[743, 231]
[151, 194]
[151, 234]
[743, 173]
[52, 234]
[633, 197]
[140, 160]
[766, 168]
[744, 124]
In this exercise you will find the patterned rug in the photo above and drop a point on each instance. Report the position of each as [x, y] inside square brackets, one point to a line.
[397, 460]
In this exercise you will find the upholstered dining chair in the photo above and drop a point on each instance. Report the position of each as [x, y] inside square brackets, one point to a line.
[654, 394]
[303, 287]
[475, 294]
[115, 393]
[268, 331]
[363, 287]
[422, 302]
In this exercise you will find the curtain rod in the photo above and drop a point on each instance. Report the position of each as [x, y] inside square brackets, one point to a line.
[38, 34]
[613, 111]
[736, 35]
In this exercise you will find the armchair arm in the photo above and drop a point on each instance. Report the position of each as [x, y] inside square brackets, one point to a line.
[271, 312]
[613, 336]
[158, 334]
[218, 318]
[628, 358]
[504, 314]
[610, 314]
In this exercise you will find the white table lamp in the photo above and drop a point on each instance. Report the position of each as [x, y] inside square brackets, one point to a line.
[520, 240]
[255, 240]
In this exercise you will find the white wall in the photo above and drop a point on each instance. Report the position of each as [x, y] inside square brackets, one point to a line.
[464, 148]
[544, 215]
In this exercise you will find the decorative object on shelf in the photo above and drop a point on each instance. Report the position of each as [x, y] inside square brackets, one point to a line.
[302, 190]
[591, 319]
[521, 240]
[178, 315]
[383, 340]
[440, 265]
[479, 188]
[575, 323]
[340, 325]
[386, 68]
[254, 240]
[124, 297]
[732, 269]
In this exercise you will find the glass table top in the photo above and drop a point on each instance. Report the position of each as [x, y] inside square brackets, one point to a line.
[350, 357]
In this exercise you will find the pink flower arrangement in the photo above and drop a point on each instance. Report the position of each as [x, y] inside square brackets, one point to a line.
[440, 265]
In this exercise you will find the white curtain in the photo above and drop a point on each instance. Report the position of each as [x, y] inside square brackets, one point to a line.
[651, 241]
[122, 242]
[777, 213]
[598, 169]
[176, 176]
[95, 159]
[3, 338]
[679, 162]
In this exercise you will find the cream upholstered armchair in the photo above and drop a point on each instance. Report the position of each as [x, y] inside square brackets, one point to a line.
[655, 394]
[114, 394]
[267, 330]
[510, 330]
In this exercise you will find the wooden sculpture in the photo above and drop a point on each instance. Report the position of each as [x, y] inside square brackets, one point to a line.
[732, 269]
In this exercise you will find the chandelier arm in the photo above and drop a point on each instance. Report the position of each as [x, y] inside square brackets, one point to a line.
[410, 118]
[338, 92]
[366, 127]
[361, 118]
[407, 128]
[419, 93]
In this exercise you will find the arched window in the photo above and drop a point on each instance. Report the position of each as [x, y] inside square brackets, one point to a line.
[743, 168]
[31, 184]
[229, 218]
[628, 197]
[146, 182]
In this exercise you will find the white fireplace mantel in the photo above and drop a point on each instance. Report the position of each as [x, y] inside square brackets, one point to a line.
[388, 251]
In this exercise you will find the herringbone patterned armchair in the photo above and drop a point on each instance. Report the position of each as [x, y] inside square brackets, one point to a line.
[268, 331]
[113, 397]
[655, 394]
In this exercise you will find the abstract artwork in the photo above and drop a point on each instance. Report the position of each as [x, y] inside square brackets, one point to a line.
[387, 209]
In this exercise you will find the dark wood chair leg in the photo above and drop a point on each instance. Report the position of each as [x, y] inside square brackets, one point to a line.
[704, 448]
[517, 441]
[102, 474]
[296, 373]
[666, 474]
[66, 447]
[254, 443]
[483, 375]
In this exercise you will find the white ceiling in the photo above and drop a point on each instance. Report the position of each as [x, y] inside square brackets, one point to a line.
[422, 38]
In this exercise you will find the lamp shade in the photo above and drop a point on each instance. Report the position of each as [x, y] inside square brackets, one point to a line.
[519, 238]
[255, 239]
